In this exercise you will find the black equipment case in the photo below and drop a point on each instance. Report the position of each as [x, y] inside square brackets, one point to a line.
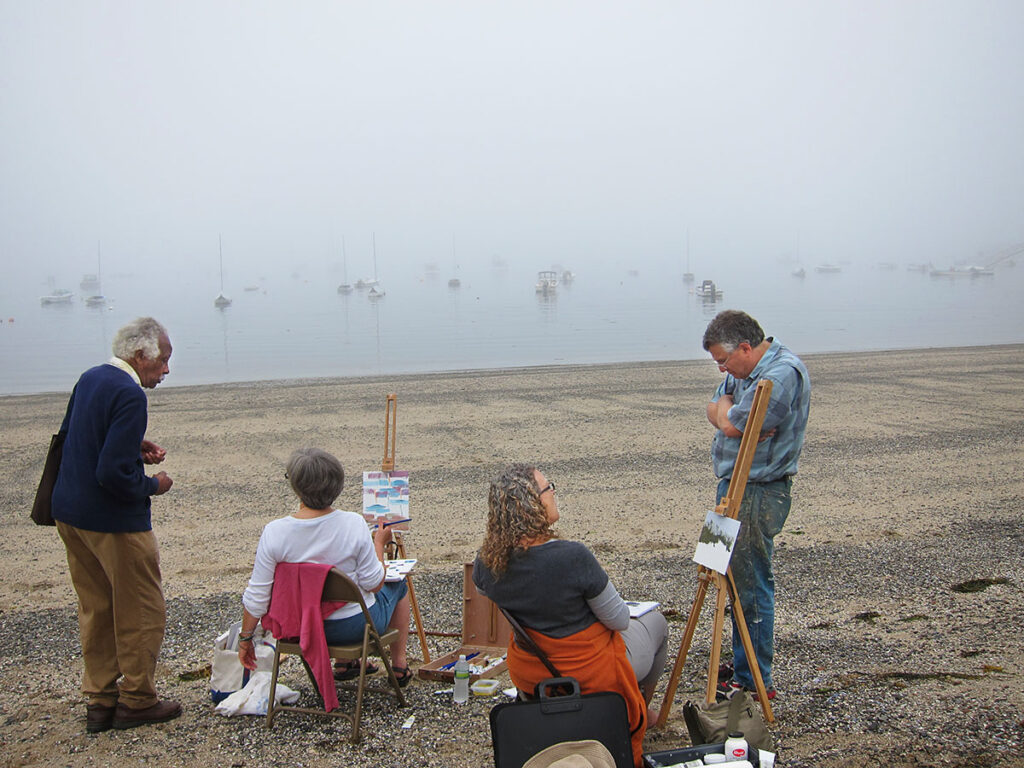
[521, 729]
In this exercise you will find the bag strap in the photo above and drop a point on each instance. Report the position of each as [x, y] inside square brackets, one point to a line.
[735, 710]
[528, 644]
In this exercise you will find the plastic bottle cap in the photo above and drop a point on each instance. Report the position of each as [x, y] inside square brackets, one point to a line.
[736, 735]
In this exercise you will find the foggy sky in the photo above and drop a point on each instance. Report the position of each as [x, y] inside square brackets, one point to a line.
[533, 131]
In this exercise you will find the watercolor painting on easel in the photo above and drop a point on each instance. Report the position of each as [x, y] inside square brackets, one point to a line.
[716, 541]
[386, 497]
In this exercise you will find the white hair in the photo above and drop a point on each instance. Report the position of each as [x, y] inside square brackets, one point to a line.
[140, 335]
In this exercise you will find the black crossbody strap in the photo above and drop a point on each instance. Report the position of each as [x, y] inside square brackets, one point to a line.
[527, 643]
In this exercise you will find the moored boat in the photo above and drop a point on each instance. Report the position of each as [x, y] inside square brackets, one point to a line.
[547, 281]
[58, 296]
[708, 290]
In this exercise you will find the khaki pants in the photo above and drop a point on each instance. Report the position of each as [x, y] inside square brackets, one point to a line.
[121, 612]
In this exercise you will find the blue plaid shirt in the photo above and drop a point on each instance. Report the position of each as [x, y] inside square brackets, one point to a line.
[787, 413]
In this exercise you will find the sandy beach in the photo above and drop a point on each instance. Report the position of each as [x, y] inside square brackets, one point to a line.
[910, 485]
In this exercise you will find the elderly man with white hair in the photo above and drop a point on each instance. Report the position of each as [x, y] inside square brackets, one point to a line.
[101, 503]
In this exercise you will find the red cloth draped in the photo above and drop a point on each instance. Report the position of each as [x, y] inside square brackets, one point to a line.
[296, 611]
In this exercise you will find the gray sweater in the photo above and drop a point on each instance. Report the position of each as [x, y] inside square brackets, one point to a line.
[557, 588]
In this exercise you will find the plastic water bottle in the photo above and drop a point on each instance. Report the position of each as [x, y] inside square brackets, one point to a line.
[461, 680]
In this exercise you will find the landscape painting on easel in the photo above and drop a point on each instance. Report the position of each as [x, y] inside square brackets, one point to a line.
[716, 541]
[386, 497]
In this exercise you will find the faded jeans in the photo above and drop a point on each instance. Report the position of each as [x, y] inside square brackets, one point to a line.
[762, 514]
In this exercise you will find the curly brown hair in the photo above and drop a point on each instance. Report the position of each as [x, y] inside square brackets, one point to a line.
[515, 515]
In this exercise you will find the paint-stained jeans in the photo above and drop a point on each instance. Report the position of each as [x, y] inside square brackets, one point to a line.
[762, 514]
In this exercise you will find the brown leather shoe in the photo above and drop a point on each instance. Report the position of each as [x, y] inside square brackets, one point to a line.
[161, 712]
[98, 718]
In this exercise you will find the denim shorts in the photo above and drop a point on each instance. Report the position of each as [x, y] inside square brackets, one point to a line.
[350, 629]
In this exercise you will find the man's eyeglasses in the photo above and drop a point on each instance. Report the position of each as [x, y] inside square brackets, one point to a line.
[725, 360]
[545, 489]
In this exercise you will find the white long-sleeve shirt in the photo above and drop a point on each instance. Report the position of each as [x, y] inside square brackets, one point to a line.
[339, 538]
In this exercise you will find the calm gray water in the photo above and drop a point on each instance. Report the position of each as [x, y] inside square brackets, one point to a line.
[298, 326]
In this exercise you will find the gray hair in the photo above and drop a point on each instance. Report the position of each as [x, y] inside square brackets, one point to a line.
[316, 477]
[140, 335]
[730, 328]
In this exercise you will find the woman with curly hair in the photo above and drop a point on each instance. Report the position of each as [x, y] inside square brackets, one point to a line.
[564, 600]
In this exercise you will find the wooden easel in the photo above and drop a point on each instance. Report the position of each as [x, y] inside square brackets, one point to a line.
[729, 505]
[387, 465]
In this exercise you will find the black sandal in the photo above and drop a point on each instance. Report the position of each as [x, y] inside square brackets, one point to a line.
[349, 670]
[404, 675]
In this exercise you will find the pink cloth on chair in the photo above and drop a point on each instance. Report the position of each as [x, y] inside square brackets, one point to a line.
[297, 611]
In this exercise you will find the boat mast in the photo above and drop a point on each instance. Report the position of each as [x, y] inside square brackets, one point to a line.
[220, 248]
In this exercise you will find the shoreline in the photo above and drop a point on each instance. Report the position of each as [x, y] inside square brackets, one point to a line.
[906, 488]
[512, 370]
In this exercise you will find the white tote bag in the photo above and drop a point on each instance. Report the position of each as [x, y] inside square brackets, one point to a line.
[227, 674]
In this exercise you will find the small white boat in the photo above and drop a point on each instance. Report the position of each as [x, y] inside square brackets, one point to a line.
[568, 276]
[547, 282]
[345, 288]
[828, 268]
[59, 296]
[799, 272]
[96, 298]
[962, 272]
[454, 282]
[375, 293]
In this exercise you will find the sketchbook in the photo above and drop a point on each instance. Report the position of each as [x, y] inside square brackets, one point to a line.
[638, 608]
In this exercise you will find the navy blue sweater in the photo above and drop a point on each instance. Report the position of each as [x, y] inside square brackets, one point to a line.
[102, 484]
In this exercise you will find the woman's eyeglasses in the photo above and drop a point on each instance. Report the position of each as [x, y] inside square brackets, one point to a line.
[548, 487]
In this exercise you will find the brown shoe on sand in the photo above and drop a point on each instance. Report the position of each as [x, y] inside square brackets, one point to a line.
[161, 712]
[98, 718]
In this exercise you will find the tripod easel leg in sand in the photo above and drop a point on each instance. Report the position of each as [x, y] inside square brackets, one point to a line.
[387, 465]
[724, 583]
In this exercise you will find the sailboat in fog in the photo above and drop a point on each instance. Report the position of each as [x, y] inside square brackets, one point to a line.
[97, 299]
[221, 301]
[346, 286]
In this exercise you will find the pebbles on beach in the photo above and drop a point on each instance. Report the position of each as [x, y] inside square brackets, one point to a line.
[908, 488]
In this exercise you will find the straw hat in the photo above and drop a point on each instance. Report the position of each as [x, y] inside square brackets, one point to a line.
[573, 754]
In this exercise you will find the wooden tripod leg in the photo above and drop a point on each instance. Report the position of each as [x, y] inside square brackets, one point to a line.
[748, 648]
[415, 606]
[684, 647]
[716, 640]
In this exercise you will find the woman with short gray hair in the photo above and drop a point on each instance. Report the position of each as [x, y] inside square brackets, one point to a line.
[318, 533]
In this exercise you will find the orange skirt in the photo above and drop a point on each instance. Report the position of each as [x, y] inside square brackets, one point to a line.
[596, 657]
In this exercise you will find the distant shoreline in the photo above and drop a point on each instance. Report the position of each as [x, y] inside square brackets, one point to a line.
[525, 369]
